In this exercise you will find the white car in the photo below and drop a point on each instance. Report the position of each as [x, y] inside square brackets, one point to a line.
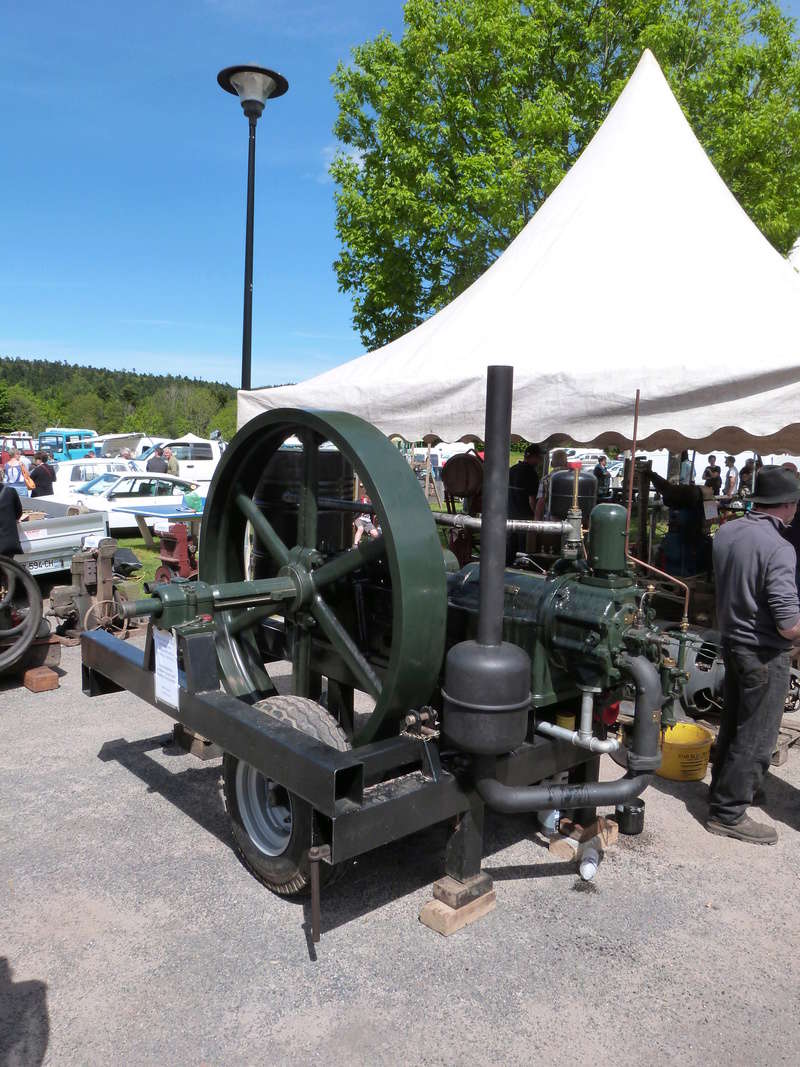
[77, 472]
[110, 491]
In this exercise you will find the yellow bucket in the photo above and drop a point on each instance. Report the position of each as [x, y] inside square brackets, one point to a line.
[685, 752]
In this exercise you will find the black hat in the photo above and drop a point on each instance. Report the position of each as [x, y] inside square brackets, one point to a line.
[774, 485]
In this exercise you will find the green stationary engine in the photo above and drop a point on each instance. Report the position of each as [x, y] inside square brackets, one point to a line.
[487, 686]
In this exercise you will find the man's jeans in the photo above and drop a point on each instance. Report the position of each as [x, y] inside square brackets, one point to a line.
[756, 683]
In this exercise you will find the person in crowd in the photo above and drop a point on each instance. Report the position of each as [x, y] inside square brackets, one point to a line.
[125, 453]
[42, 475]
[91, 454]
[14, 473]
[523, 485]
[731, 476]
[712, 475]
[603, 477]
[746, 476]
[366, 524]
[759, 618]
[10, 514]
[686, 475]
[157, 464]
[173, 467]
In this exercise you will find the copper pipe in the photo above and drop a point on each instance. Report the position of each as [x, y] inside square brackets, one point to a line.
[670, 578]
[630, 472]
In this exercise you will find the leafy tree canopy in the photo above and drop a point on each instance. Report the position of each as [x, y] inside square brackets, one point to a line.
[456, 134]
[38, 393]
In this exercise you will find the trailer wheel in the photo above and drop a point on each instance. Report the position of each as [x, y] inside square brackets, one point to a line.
[271, 826]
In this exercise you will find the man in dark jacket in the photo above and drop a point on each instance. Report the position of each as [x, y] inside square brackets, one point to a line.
[42, 475]
[10, 512]
[157, 464]
[603, 476]
[523, 485]
[759, 618]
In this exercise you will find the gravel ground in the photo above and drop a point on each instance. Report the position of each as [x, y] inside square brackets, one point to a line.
[133, 935]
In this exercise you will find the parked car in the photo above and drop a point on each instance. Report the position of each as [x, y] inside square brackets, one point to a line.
[197, 456]
[110, 491]
[77, 472]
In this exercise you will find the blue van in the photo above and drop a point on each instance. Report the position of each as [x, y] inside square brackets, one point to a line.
[64, 444]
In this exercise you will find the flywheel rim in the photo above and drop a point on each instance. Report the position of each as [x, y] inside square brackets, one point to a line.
[410, 542]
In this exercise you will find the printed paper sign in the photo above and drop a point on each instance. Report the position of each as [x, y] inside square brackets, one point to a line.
[166, 649]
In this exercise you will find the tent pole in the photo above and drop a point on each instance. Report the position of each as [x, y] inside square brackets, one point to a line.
[630, 471]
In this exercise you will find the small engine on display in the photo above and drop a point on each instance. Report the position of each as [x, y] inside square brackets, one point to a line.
[420, 692]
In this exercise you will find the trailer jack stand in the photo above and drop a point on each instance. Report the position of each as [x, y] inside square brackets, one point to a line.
[315, 854]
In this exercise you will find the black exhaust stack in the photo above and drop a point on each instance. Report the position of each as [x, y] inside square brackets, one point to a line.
[487, 687]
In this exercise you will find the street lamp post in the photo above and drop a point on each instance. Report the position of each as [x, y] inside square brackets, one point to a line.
[254, 86]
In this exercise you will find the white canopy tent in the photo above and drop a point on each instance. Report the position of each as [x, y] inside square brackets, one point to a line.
[640, 271]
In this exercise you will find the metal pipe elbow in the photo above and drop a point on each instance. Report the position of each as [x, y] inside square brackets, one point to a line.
[516, 800]
[644, 753]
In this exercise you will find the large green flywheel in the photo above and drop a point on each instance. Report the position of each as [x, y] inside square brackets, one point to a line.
[370, 618]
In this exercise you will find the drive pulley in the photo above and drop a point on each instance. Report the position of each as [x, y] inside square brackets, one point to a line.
[298, 528]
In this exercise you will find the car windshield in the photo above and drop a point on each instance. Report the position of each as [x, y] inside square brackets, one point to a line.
[99, 485]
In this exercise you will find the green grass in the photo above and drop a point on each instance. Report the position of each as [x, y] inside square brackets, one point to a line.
[151, 559]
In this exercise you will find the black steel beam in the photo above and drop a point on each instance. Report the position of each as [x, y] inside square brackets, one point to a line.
[539, 759]
[394, 809]
[314, 771]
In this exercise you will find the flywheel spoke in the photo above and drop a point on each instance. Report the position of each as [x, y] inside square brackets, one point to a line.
[251, 617]
[263, 529]
[309, 491]
[365, 552]
[346, 647]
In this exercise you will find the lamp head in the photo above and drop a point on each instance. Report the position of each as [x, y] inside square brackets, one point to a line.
[253, 85]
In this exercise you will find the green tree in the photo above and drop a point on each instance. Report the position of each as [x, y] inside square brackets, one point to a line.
[455, 135]
[225, 420]
[28, 413]
[6, 408]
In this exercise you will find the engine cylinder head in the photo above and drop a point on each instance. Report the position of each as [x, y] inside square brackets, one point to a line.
[607, 539]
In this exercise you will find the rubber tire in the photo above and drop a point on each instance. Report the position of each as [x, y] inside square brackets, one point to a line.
[289, 873]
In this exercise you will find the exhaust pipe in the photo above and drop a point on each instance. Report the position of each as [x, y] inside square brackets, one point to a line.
[644, 757]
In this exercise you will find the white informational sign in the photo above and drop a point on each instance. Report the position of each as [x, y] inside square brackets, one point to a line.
[711, 510]
[166, 649]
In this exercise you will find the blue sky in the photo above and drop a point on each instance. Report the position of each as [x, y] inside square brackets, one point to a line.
[124, 175]
[123, 184]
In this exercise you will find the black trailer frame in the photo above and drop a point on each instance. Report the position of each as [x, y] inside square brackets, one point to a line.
[362, 798]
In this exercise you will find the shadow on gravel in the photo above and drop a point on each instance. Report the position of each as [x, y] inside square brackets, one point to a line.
[782, 800]
[193, 791]
[24, 1020]
[693, 794]
[375, 879]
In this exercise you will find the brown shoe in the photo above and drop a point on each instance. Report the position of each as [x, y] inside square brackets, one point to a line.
[746, 829]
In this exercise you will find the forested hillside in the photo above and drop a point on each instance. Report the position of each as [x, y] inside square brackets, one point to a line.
[37, 393]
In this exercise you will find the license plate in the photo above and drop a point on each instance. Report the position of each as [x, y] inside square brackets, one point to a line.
[46, 566]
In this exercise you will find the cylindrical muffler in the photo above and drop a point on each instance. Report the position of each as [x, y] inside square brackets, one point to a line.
[487, 683]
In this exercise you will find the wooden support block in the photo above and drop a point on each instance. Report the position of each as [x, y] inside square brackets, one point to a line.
[456, 894]
[445, 920]
[562, 848]
[606, 829]
[40, 679]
